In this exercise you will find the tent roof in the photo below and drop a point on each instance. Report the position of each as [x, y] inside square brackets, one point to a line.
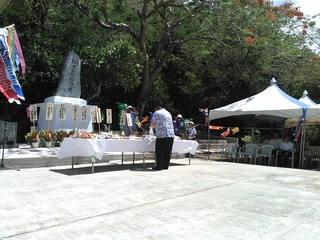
[305, 99]
[312, 116]
[272, 101]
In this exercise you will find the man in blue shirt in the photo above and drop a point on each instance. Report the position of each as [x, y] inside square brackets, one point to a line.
[162, 123]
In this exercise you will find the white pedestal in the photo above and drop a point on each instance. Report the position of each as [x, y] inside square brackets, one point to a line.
[68, 124]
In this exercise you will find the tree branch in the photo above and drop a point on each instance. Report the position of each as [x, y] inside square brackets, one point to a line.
[107, 23]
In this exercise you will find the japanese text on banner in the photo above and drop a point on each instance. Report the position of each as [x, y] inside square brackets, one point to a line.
[49, 111]
[84, 114]
[62, 112]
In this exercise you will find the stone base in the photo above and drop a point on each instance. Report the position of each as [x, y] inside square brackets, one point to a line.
[68, 124]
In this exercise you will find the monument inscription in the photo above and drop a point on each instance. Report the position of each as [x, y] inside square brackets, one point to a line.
[69, 81]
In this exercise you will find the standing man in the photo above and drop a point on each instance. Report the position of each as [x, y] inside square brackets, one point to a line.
[162, 123]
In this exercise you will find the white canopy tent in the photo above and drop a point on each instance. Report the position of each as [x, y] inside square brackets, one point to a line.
[272, 101]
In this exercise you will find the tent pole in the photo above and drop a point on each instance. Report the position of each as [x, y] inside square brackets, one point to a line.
[208, 142]
[302, 146]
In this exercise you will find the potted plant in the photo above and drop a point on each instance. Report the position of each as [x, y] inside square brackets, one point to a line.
[47, 137]
[33, 138]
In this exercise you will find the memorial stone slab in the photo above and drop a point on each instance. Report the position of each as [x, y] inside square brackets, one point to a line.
[69, 82]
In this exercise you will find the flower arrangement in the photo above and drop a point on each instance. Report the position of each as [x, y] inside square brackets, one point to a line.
[61, 135]
[47, 136]
[71, 133]
[82, 134]
[32, 137]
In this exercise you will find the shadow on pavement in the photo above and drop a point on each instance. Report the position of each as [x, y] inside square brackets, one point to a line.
[107, 168]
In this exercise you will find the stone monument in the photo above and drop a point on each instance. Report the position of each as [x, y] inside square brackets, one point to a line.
[66, 110]
[69, 81]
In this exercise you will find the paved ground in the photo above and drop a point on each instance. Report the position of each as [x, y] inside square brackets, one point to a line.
[204, 200]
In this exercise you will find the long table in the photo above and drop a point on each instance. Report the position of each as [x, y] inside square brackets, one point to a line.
[96, 148]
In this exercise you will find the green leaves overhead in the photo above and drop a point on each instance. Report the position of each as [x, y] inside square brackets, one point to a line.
[140, 51]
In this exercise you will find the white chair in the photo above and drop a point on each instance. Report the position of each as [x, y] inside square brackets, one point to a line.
[230, 150]
[247, 152]
[264, 152]
[291, 157]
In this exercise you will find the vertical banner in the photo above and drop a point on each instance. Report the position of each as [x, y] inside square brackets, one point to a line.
[129, 119]
[49, 111]
[93, 115]
[98, 115]
[84, 114]
[123, 118]
[109, 116]
[33, 113]
[62, 112]
[74, 112]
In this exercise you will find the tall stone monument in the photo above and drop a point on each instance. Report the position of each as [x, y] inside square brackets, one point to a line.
[69, 81]
[66, 110]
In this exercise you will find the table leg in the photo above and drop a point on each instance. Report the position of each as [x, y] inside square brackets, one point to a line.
[72, 161]
[144, 164]
[134, 156]
[122, 158]
[92, 164]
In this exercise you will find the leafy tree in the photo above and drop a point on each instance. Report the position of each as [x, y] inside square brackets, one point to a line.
[156, 27]
[188, 54]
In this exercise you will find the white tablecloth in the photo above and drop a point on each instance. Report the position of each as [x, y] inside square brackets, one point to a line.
[97, 147]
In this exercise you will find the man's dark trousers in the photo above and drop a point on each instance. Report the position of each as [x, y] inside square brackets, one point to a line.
[163, 152]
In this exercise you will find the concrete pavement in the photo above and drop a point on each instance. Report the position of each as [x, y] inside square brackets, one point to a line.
[204, 200]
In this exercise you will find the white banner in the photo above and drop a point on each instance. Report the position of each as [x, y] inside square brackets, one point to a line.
[93, 115]
[109, 116]
[98, 115]
[33, 113]
[123, 118]
[129, 119]
[74, 112]
[49, 111]
[62, 112]
[84, 114]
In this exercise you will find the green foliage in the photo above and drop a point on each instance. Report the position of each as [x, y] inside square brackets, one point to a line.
[313, 135]
[210, 56]
[116, 63]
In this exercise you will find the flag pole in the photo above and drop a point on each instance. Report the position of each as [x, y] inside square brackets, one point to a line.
[208, 143]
